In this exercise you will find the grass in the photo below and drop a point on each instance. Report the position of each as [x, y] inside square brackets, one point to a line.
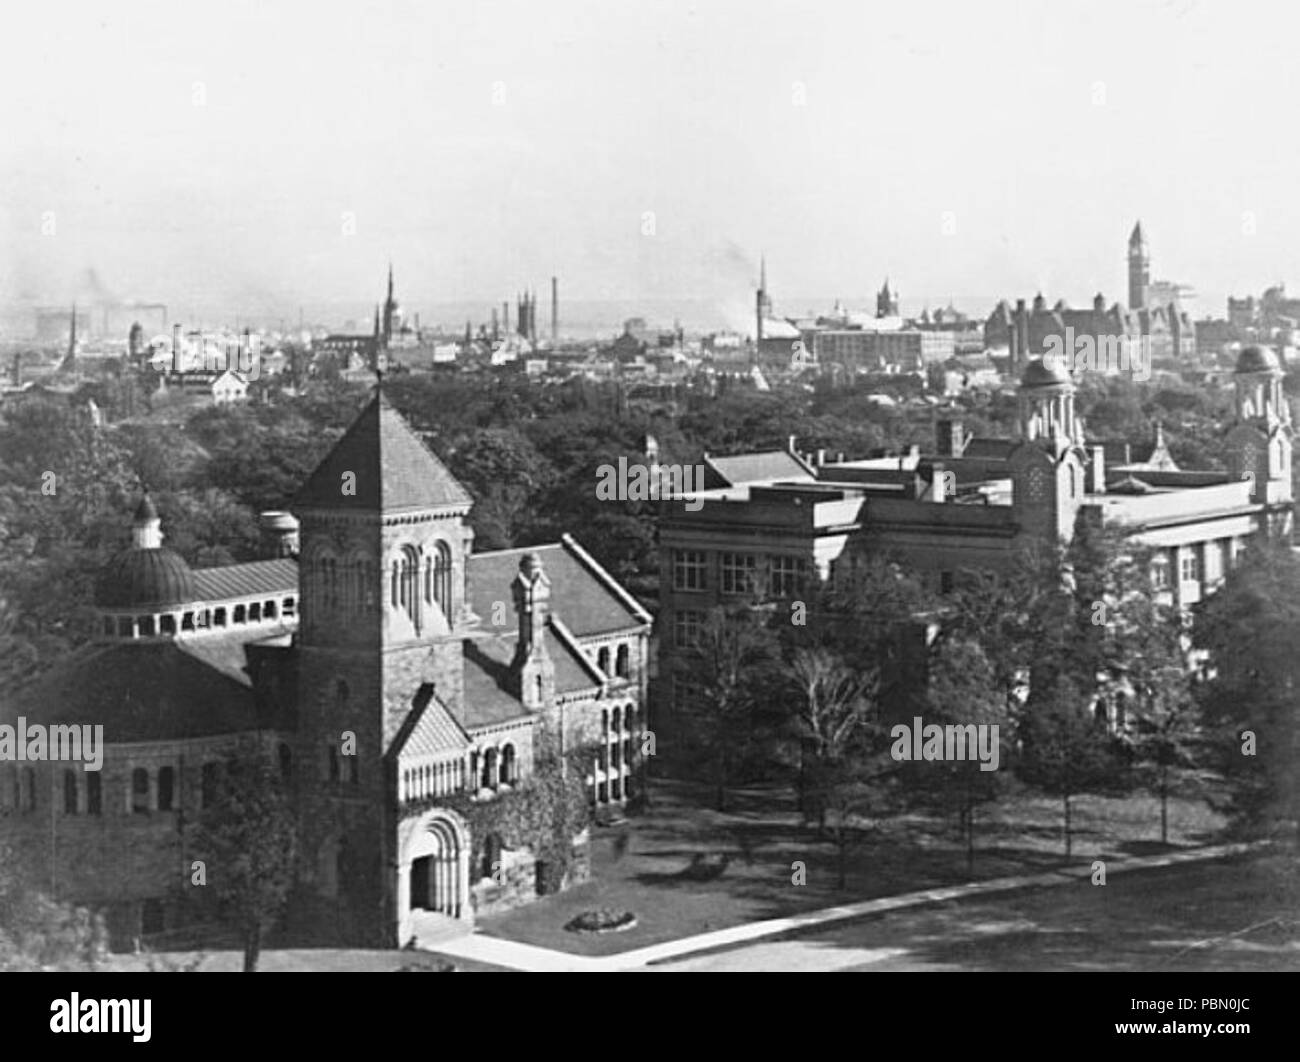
[649, 872]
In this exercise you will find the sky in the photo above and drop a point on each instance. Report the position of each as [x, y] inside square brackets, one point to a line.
[255, 157]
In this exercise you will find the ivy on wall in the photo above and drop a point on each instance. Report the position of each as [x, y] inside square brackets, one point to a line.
[544, 812]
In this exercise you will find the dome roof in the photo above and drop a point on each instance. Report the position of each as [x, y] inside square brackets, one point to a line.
[140, 578]
[1257, 359]
[1046, 372]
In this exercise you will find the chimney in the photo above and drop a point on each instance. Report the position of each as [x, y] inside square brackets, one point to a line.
[821, 458]
[532, 669]
[938, 481]
[18, 370]
[1097, 471]
[950, 440]
[176, 348]
[1098, 303]
[505, 317]
[790, 446]
[555, 309]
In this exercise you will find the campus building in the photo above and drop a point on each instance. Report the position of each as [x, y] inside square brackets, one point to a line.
[768, 523]
[445, 665]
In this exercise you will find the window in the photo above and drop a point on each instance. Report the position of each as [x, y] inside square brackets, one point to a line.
[1160, 573]
[123, 627]
[507, 774]
[167, 624]
[442, 577]
[621, 662]
[69, 792]
[689, 570]
[602, 660]
[788, 575]
[240, 613]
[140, 791]
[219, 618]
[94, 794]
[268, 610]
[489, 777]
[739, 573]
[686, 627]
[254, 613]
[287, 607]
[146, 626]
[1191, 567]
[208, 788]
[166, 788]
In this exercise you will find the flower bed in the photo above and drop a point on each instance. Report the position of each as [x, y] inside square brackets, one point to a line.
[604, 920]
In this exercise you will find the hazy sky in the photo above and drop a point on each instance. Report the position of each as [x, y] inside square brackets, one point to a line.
[214, 153]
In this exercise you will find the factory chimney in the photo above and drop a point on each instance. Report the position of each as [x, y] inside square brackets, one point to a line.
[555, 310]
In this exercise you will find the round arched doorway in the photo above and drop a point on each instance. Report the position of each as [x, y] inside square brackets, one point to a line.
[433, 872]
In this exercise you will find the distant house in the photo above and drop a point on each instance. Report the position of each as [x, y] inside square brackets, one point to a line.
[229, 387]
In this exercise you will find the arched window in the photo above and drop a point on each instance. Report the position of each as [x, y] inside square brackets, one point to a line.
[94, 794]
[488, 781]
[286, 761]
[395, 581]
[602, 660]
[620, 662]
[69, 792]
[166, 788]
[140, 791]
[507, 773]
[410, 584]
[615, 721]
[442, 578]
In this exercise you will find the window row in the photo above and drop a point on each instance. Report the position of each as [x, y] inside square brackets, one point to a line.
[741, 573]
[168, 624]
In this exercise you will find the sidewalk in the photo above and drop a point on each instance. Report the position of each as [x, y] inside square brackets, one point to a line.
[528, 957]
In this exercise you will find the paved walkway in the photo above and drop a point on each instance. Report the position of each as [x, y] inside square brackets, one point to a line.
[528, 957]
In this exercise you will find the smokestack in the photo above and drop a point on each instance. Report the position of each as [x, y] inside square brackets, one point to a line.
[555, 309]
[505, 317]
[18, 370]
[176, 347]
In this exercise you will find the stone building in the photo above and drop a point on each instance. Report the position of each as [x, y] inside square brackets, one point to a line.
[772, 522]
[443, 665]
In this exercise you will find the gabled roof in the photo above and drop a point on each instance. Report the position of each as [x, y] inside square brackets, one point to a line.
[583, 595]
[430, 729]
[394, 470]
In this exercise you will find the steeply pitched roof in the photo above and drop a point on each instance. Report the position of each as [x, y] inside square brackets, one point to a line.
[430, 729]
[393, 468]
[586, 602]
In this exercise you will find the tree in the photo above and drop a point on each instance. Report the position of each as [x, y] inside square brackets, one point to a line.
[247, 840]
[1065, 749]
[724, 674]
[1250, 633]
[961, 692]
[833, 703]
[38, 932]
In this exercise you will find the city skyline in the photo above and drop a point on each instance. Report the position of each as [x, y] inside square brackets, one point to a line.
[231, 162]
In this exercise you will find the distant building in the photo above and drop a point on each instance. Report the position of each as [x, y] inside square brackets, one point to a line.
[229, 387]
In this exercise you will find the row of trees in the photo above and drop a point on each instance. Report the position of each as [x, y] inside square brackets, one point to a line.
[1070, 653]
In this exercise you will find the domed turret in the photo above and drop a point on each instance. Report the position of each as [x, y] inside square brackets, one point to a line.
[1256, 359]
[147, 575]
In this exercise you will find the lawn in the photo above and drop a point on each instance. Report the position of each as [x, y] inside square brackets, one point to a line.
[649, 870]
